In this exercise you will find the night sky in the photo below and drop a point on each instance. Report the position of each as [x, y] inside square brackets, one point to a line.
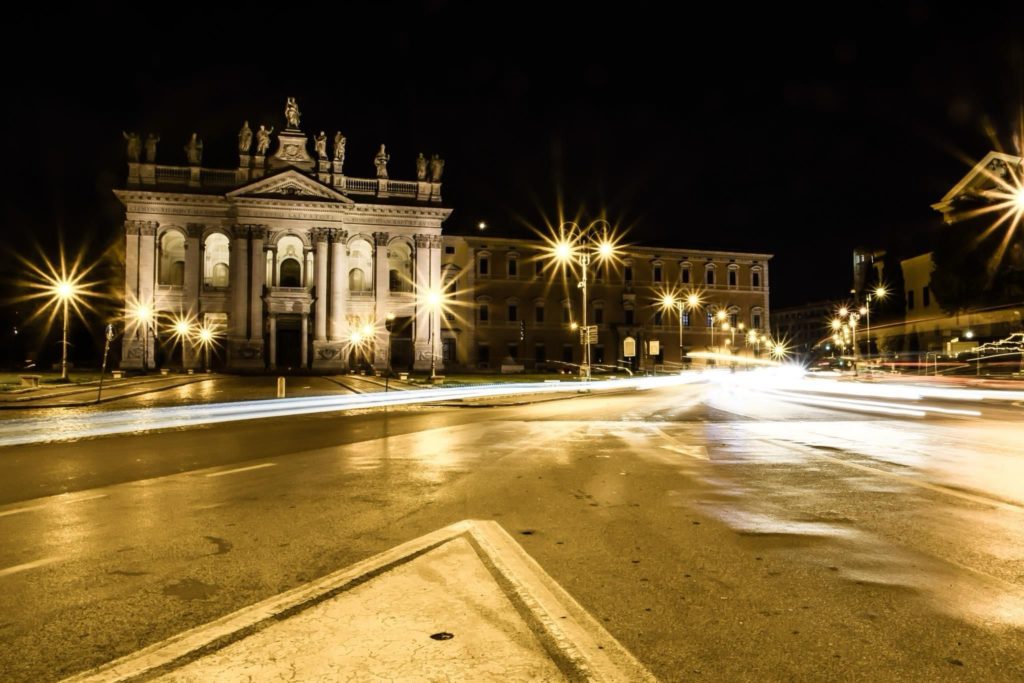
[798, 132]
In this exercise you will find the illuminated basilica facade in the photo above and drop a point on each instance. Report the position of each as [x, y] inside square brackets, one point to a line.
[284, 257]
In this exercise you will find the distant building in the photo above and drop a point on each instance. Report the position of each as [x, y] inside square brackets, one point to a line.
[514, 308]
[802, 327]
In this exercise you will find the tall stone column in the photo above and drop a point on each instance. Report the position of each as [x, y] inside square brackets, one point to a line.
[272, 360]
[423, 284]
[320, 236]
[304, 340]
[339, 286]
[257, 234]
[147, 283]
[382, 293]
[191, 288]
[435, 275]
[239, 282]
[131, 344]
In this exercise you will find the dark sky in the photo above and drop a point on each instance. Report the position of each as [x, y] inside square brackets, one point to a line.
[801, 132]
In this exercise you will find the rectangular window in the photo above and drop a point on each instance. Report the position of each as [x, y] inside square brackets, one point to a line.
[513, 267]
[709, 321]
[485, 313]
[757, 321]
[926, 297]
[538, 314]
[733, 320]
[657, 273]
[448, 350]
[483, 353]
[629, 316]
[513, 351]
[732, 278]
[685, 273]
[540, 353]
[755, 279]
[710, 276]
[599, 316]
[485, 265]
[910, 299]
[657, 317]
[449, 250]
[686, 319]
[513, 313]
[628, 277]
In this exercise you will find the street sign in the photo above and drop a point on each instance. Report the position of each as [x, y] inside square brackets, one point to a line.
[590, 338]
[654, 347]
[629, 347]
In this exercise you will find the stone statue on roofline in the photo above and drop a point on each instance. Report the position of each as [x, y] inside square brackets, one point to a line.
[194, 150]
[263, 139]
[436, 168]
[151, 141]
[134, 147]
[421, 167]
[245, 139]
[339, 147]
[320, 144]
[292, 113]
[381, 162]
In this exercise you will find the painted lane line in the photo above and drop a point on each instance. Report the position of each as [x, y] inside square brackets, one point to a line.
[29, 565]
[242, 469]
[44, 506]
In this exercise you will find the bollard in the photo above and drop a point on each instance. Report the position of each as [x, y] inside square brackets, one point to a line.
[280, 387]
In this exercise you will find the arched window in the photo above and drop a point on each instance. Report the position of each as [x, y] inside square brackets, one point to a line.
[172, 259]
[360, 262]
[734, 275]
[216, 257]
[599, 313]
[400, 267]
[291, 273]
[289, 255]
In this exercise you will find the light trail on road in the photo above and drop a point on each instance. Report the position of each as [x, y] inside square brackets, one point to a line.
[60, 428]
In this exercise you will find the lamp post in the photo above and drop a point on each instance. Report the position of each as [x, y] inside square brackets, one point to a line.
[669, 302]
[143, 317]
[64, 290]
[389, 320]
[579, 245]
[206, 336]
[434, 299]
[880, 293]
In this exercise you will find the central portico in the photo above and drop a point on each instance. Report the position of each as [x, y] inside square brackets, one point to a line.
[287, 256]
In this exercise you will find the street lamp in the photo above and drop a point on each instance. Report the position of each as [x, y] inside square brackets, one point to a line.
[434, 300]
[64, 291]
[579, 245]
[207, 338]
[720, 317]
[880, 293]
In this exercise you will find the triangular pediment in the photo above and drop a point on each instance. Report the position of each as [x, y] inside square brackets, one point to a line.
[290, 183]
[984, 176]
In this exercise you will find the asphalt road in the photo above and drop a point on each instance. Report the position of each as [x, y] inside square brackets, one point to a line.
[718, 532]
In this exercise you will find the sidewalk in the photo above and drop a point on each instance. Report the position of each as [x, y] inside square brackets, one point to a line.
[462, 603]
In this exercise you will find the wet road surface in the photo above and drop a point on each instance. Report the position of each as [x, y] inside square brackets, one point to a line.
[717, 533]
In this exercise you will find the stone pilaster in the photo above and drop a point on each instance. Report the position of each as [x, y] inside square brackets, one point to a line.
[320, 239]
[381, 279]
[339, 286]
[423, 284]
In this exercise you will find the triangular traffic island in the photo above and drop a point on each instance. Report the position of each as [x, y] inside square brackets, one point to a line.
[462, 603]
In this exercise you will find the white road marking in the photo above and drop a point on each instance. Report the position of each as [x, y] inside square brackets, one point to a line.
[28, 565]
[242, 469]
[30, 508]
[697, 452]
